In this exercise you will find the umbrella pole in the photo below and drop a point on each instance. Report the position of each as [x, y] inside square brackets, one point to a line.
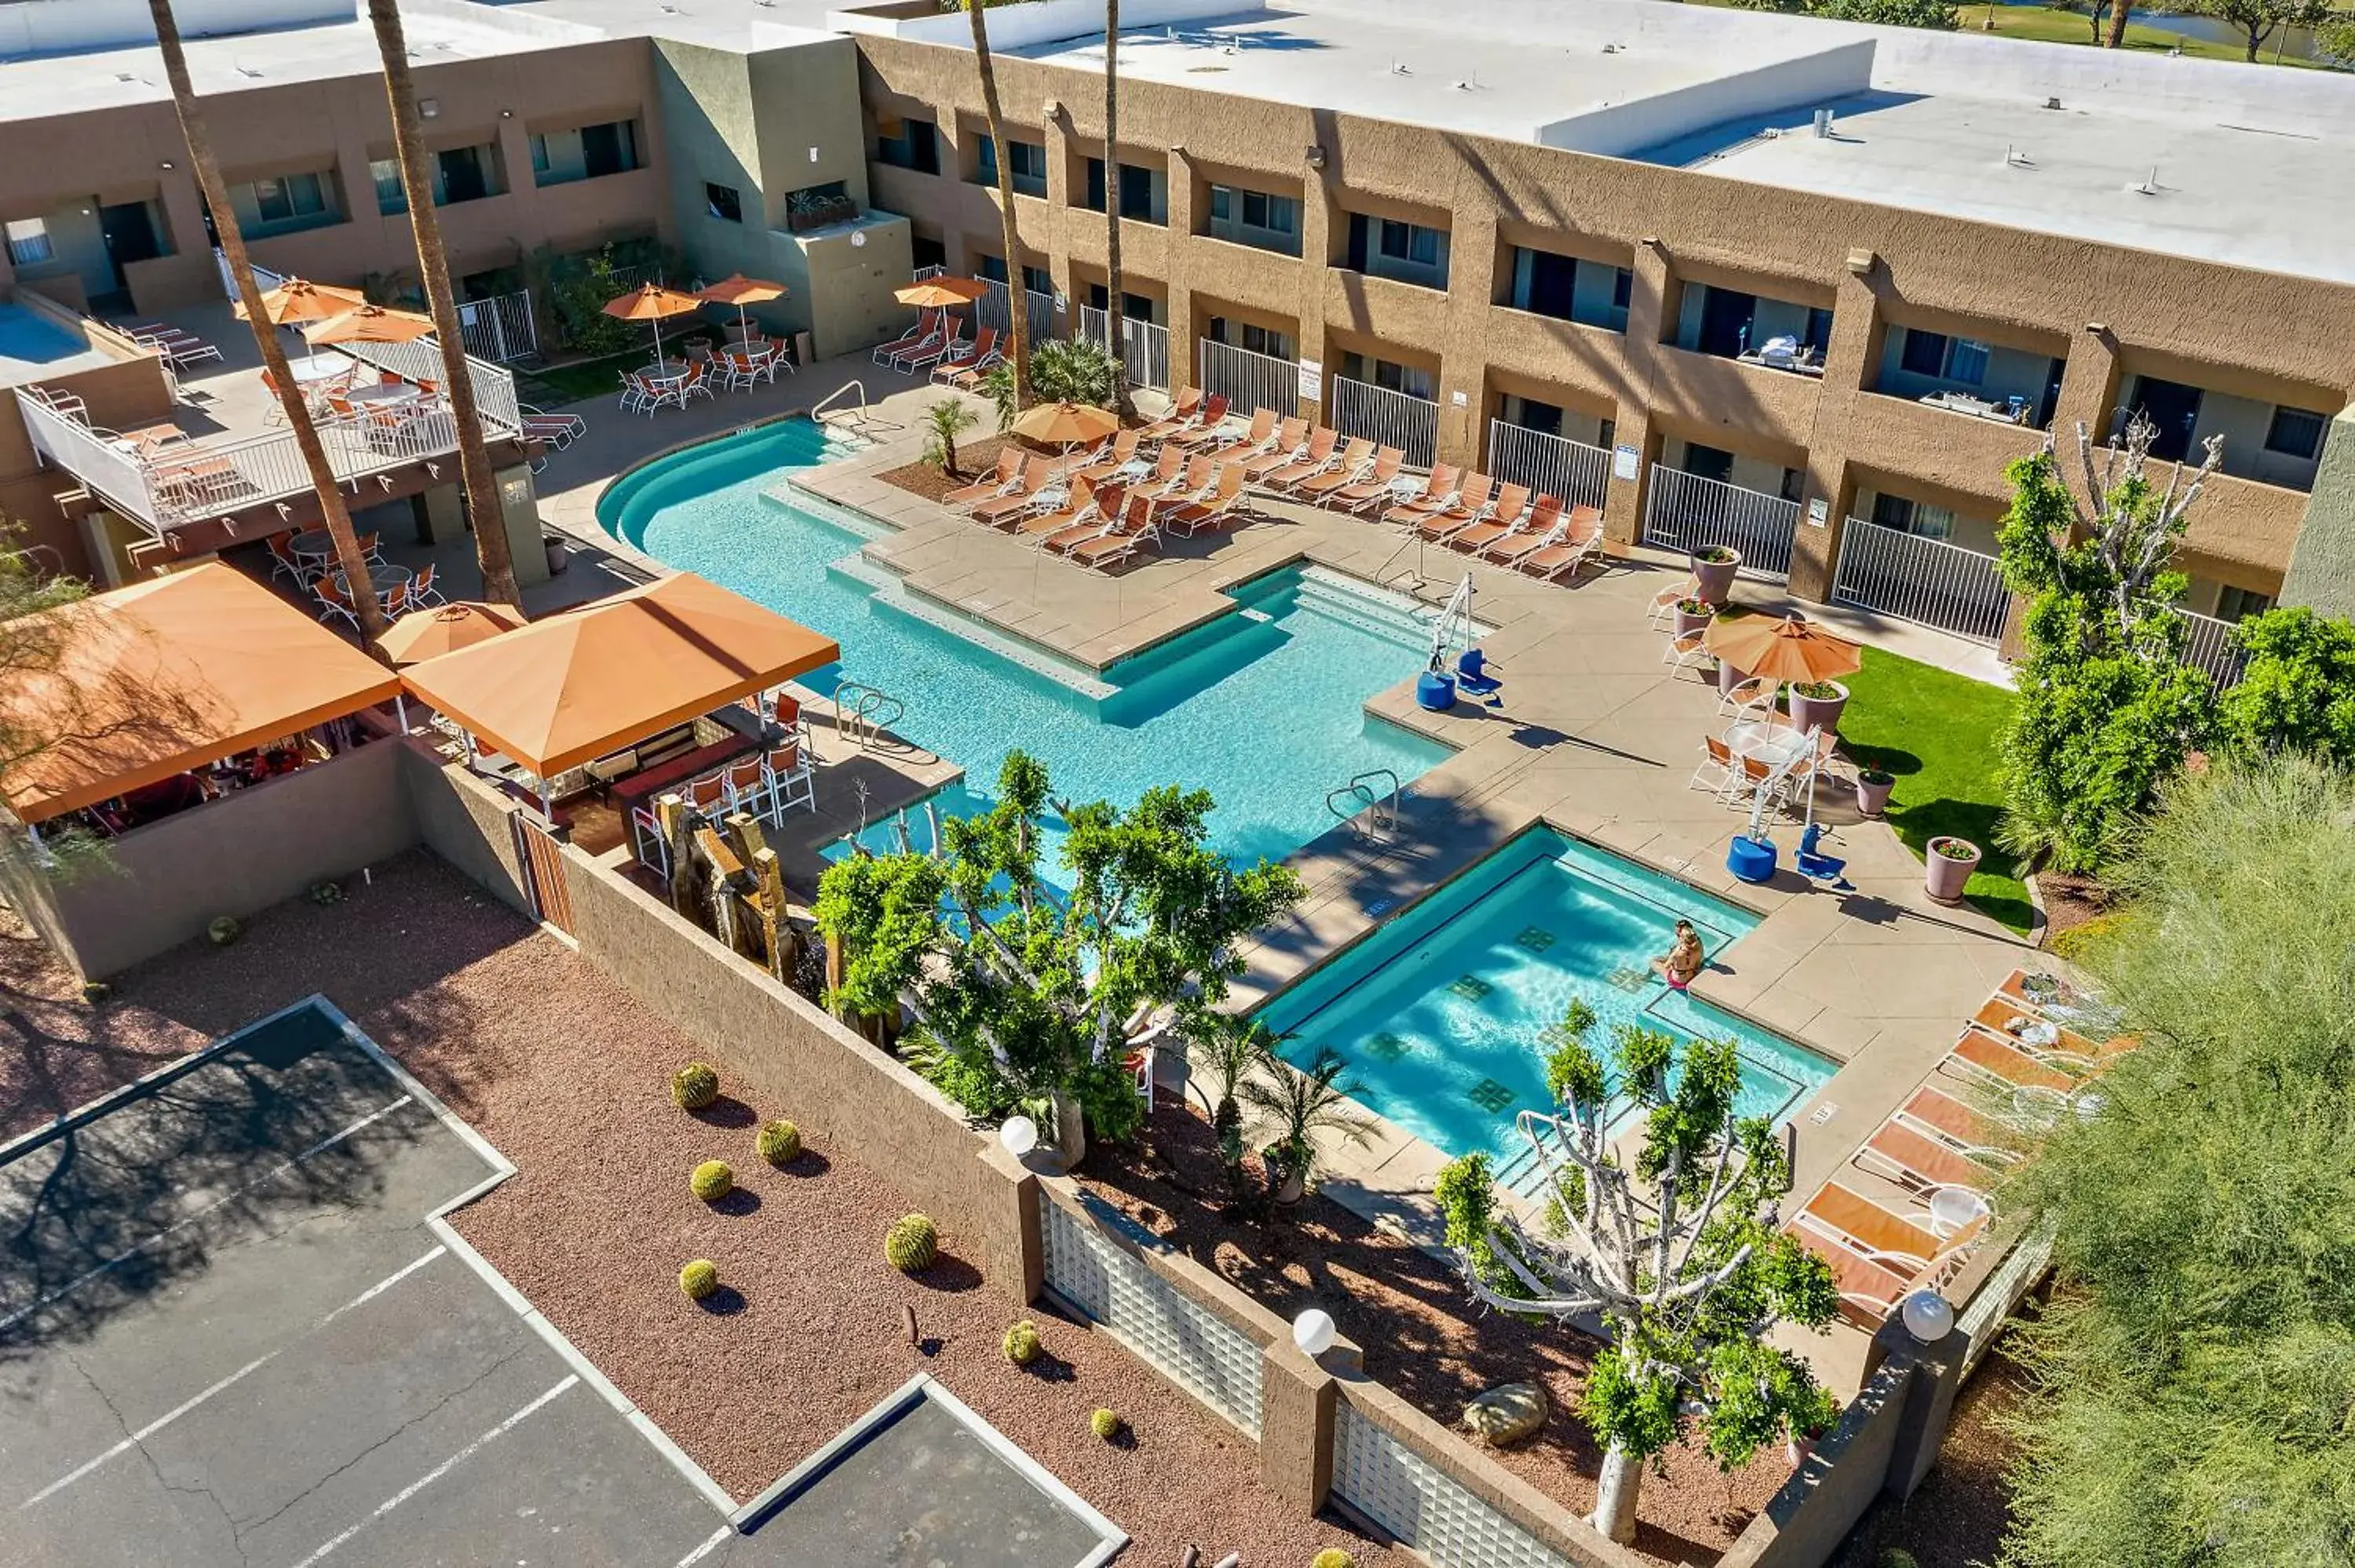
[658, 358]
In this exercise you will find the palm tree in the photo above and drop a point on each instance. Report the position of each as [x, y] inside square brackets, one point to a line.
[1224, 1049]
[944, 422]
[331, 511]
[1115, 323]
[416, 183]
[1300, 1106]
[1018, 326]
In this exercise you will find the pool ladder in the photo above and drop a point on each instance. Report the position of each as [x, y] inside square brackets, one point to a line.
[1359, 795]
[861, 714]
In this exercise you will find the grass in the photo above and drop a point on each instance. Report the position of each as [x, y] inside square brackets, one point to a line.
[553, 385]
[2040, 24]
[1936, 731]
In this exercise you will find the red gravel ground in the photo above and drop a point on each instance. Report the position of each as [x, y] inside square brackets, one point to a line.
[566, 1073]
[1422, 1335]
[974, 458]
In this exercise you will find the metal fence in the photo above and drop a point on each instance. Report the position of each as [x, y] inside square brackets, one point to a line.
[1385, 417]
[1146, 347]
[996, 309]
[501, 329]
[1688, 512]
[1924, 581]
[1549, 465]
[2212, 649]
[1183, 1339]
[1424, 1506]
[1250, 381]
[921, 273]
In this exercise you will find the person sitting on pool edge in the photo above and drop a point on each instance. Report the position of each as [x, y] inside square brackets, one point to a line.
[1682, 962]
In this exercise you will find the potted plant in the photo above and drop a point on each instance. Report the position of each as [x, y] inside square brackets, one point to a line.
[1693, 615]
[1817, 705]
[1297, 1106]
[1727, 677]
[1948, 869]
[1713, 569]
[1872, 788]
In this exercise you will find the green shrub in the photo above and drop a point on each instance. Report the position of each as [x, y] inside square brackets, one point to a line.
[779, 1142]
[1898, 1557]
[2077, 941]
[1333, 1557]
[695, 1086]
[1105, 1424]
[1022, 1346]
[223, 930]
[712, 1181]
[95, 992]
[326, 893]
[912, 1244]
[699, 1279]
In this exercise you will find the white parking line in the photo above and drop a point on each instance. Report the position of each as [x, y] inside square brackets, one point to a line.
[381, 1286]
[442, 1469]
[62, 1482]
[70, 1286]
[704, 1550]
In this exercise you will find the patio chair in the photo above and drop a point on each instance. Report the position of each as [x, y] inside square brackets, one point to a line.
[1438, 495]
[646, 840]
[966, 356]
[1204, 431]
[1979, 1057]
[1108, 463]
[707, 796]
[396, 601]
[1354, 463]
[1829, 763]
[423, 593]
[790, 781]
[1546, 527]
[1288, 445]
[1664, 603]
[748, 785]
[1715, 772]
[1001, 481]
[2067, 1049]
[1168, 470]
[335, 602]
[1179, 417]
[1919, 1163]
[1876, 1255]
[637, 394]
[371, 548]
[1212, 513]
[1686, 652]
[559, 430]
[927, 323]
[1508, 515]
[1939, 1115]
[1200, 478]
[1253, 438]
[1581, 543]
[1136, 535]
[1091, 504]
[283, 560]
[698, 383]
[1753, 698]
[910, 358]
[1023, 500]
[970, 378]
[1317, 457]
[1474, 503]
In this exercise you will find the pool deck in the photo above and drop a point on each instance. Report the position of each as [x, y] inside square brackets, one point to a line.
[1595, 737]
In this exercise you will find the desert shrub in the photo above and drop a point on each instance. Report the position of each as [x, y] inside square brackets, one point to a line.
[779, 1142]
[695, 1086]
[1333, 1557]
[912, 1244]
[2075, 943]
[712, 1181]
[699, 1279]
[223, 930]
[1105, 1424]
[1022, 1346]
[1898, 1557]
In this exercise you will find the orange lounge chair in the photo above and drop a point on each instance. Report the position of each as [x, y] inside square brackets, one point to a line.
[1354, 463]
[1506, 517]
[1956, 1121]
[1135, 514]
[1374, 484]
[1911, 1158]
[1876, 1255]
[1123, 451]
[1982, 1059]
[1169, 469]
[1583, 541]
[1089, 505]
[1546, 527]
[1437, 495]
[1473, 505]
[1203, 517]
[1008, 474]
[1020, 502]
[1196, 483]
[1289, 444]
[1313, 461]
[1205, 430]
[1179, 417]
[976, 356]
[2002, 1018]
[1257, 436]
[1137, 533]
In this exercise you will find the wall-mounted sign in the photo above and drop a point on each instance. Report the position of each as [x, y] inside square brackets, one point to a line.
[1625, 463]
[1459, 400]
[1819, 513]
[1312, 378]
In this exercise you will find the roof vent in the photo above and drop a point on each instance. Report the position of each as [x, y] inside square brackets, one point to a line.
[2015, 158]
[1824, 124]
[2150, 186]
[2051, 103]
[1398, 68]
[1610, 48]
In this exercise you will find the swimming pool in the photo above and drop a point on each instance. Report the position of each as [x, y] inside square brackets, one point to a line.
[1439, 1013]
[1262, 706]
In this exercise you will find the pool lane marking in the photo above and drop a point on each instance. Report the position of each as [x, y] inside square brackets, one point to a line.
[442, 1469]
[62, 1482]
[119, 1260]
[710, 1541]
[381, 1286]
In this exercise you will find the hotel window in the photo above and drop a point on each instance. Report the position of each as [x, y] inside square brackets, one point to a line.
[1255, 218]
[924, 252]
[1924, 354]
[1030, 168]
[1038, 280]
[28, 242]
[288, 197]
[1409, 242]
[1253, 339]
[467, 173]
[990, 269]
[1967, 362]
[1402, 378]
[723, 202]
[909, 144]
[540, 163]
[391, 196]
[2235, 604]
[2296, 433]
[610, 147]
[1924, 522]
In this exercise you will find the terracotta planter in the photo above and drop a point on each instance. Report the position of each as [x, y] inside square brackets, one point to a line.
[1716, 578]
[1818, 713]
[1294, 1185]
[1727, 677]
[1943, 876]
[1687, 623]
[1872, 796]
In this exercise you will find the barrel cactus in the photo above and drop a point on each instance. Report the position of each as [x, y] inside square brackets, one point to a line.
[699, 1279]
[1332, 1557]
[695, 1086]
[712, 1181]
[1105, 1424]
[1022, 1345]
[911, 1244]
[779, 1142]
[223, 929]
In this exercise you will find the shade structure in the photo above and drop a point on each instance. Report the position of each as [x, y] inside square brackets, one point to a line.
[564, 691]
[370, 323]
[429, 633]
[740, 291]
[1772, 648]
[1065, 422]
[937, 293]
[299, 300]
[167, 677]
[651, 302]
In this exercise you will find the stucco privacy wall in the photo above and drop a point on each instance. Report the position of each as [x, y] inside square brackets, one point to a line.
[468, 823]
[2322, 563]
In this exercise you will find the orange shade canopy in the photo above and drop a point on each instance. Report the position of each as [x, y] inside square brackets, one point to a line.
[937, 293]
[651, 302]
[370, 323]
[1772, 648]
[166, 676]
[741, 290]
[1065, 423]
[566, 690]
[297, 300]
[429, 633]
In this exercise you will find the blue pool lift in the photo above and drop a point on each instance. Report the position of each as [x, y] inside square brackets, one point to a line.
[1436, 687]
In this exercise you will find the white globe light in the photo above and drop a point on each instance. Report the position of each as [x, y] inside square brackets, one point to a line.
[1927, 1317]
[1313, 1331]
[1019, 1134]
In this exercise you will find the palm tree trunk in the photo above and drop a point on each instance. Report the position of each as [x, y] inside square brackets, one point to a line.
[1115, 323]
[331, 510]
[2118, 13]
[434, 265]
[1018, 326]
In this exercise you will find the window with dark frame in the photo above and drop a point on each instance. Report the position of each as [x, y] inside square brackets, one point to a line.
[723, 202]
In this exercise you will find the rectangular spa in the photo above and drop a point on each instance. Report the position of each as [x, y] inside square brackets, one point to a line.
[1439, 1013]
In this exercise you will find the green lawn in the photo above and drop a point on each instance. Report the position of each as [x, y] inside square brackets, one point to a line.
[2042, 25]
[1936, 732]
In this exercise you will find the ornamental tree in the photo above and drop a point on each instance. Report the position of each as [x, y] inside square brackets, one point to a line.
[1022, 993]
[2107, 707]
[2297, 688]
[1668, 1234]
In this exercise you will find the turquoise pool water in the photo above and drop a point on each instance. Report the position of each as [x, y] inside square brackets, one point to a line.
[1262, 707]
[1440, 1013]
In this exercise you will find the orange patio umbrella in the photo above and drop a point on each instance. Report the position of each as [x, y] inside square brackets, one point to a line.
[941, 294]
[370, 323]
[651, 302]
[429, 633]
[1773, 648]
[296, 301]
[740, 291]
[1066, 423]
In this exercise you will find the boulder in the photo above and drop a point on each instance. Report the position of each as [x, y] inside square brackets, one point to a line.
[1507, 1414]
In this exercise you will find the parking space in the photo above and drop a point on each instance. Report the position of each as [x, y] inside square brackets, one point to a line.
[230, 1335]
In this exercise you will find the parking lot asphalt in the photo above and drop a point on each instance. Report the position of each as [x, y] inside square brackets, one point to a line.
[228, 1336]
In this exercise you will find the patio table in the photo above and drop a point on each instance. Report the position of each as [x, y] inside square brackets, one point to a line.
[313, 542]
[1955, 1209]
[320, 367]
[385, 392]
[383, 577]
[1768, 742]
